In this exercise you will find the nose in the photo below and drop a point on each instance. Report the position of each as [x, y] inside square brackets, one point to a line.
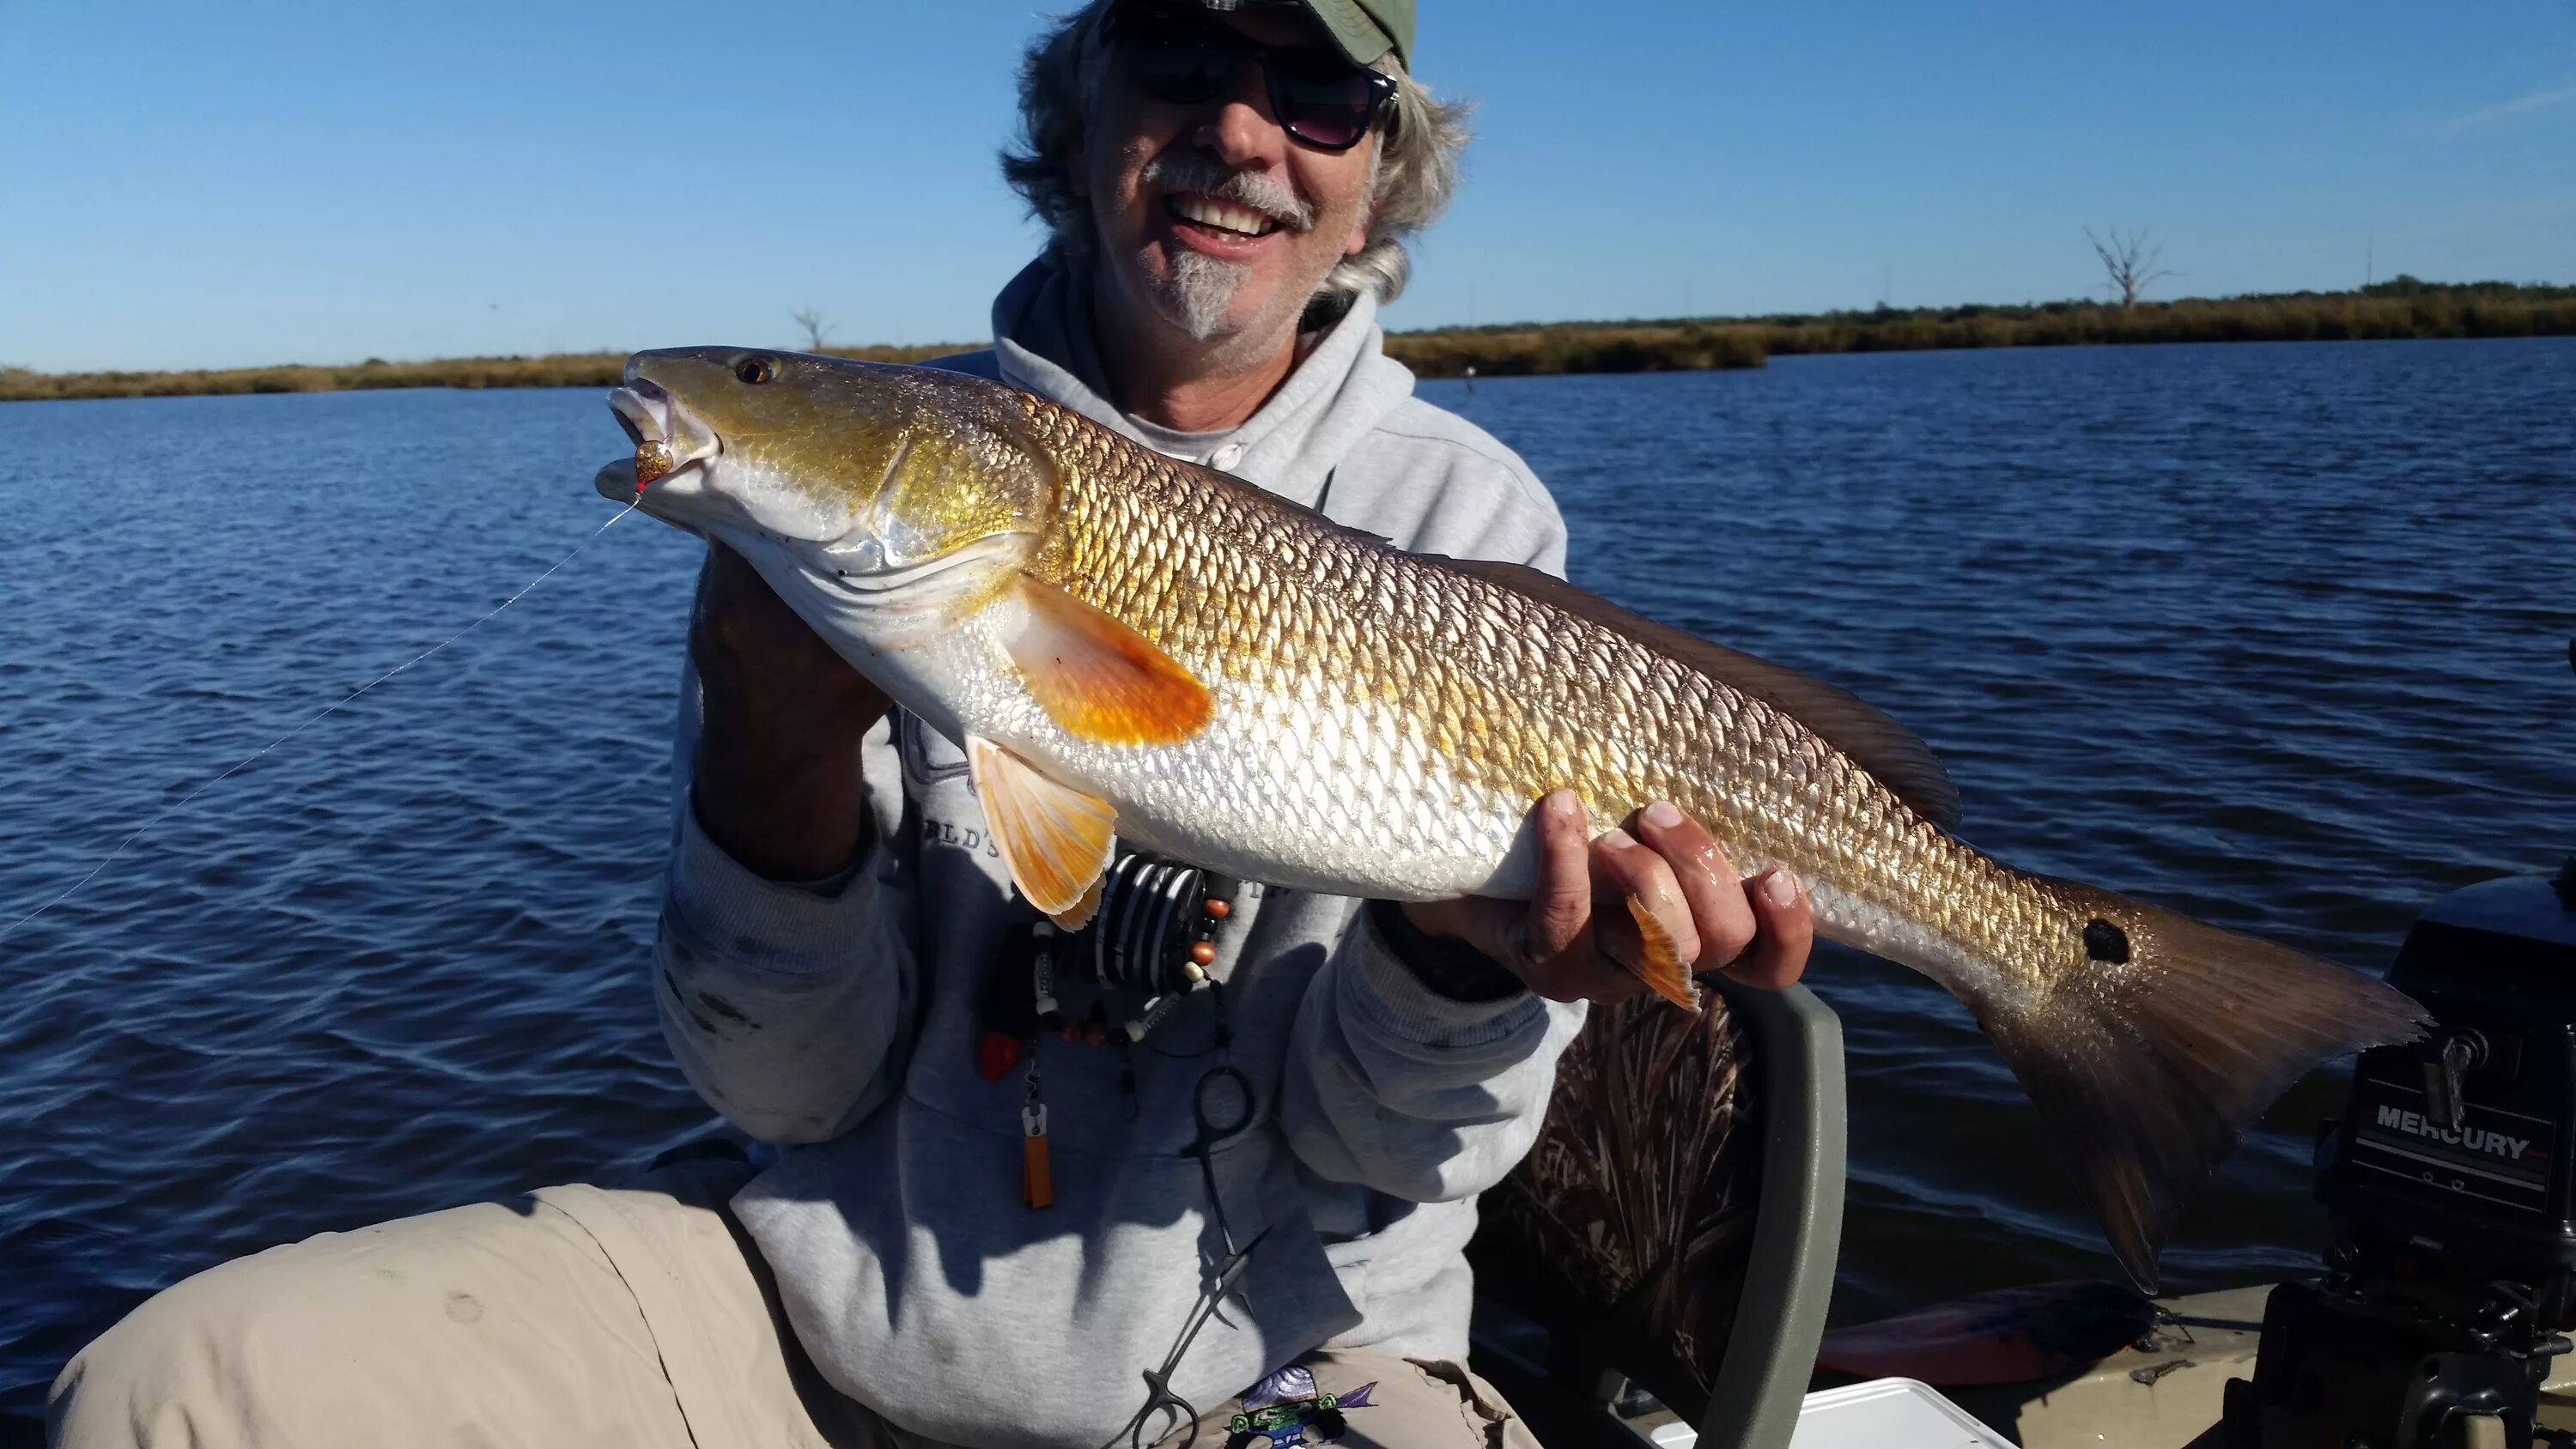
[1242, 132]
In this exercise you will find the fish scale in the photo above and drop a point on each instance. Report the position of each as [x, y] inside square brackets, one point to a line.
[1233, 680]
[1519, 697]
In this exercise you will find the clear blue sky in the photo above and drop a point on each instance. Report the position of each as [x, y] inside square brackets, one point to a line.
[185, 183]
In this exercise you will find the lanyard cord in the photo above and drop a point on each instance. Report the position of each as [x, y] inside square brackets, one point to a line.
[1159, 1397]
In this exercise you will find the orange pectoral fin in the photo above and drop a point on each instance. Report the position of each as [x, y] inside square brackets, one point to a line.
[1662, 967]
[1055, 839]
[1098, 679]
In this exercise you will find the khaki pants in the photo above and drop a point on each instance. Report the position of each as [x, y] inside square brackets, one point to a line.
[579, 1316]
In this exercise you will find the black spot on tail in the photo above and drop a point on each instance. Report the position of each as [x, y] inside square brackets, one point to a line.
[2145, 1079]
[2106, 942]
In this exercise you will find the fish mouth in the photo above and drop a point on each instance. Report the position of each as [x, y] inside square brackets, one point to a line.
[669, 439]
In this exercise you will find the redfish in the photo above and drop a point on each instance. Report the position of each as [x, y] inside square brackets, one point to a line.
[1126, 645]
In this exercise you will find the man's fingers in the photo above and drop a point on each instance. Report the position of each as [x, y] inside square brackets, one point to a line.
[1561, 905]
[1660, 912]
[1605, 972]
[1599, 980]
[1558, 944]
[1760, 931]
[1725, 923]
[1678, 906]
[1588, 971]
[1650, 933]
[742, 634]
[1591, 968]
[1788, 931]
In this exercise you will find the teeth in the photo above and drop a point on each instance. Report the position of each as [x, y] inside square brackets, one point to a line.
[1223, 215]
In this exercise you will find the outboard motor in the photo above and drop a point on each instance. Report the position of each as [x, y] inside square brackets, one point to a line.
[2452, 1272]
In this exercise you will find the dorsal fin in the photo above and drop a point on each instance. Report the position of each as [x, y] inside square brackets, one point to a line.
[1888, 750]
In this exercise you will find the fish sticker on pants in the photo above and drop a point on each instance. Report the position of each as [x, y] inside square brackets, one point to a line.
[1281, 1410]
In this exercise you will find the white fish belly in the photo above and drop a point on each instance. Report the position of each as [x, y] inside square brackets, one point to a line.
[1848, 918]
[1311, 789]
[1319, 792]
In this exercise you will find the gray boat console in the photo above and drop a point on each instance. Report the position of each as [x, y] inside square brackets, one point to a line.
[1708, 1146]
[1797, 1230]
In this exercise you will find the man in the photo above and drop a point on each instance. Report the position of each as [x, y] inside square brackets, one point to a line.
[1071, 1249]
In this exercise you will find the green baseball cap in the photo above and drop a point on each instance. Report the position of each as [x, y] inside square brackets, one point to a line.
[1367, 29]
[1363, 29]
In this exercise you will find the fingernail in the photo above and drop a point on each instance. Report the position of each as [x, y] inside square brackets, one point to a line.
[1662, 815]
[1780, 888]
[1617, 839]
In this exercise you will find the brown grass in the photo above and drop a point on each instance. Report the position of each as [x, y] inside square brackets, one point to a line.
[1577, 347]
[2402, 308]
[563, 369]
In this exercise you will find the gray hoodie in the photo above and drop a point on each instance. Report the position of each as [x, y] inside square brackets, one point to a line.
[841, 1022]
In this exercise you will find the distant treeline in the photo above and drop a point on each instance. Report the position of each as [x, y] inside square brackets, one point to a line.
[2401, 308]
[562, 369]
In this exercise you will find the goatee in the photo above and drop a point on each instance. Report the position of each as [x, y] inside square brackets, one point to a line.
[1199, 290]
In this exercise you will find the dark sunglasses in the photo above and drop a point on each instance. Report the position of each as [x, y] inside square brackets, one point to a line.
[1319, 96]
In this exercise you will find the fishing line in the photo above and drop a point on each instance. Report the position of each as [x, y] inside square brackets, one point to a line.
[184, 801]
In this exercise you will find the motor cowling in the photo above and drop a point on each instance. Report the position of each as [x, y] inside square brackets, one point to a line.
[2450, 1182]
[2460, 1145]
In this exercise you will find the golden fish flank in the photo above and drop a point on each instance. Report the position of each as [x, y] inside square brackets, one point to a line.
[1435, 654]
[1125, 642]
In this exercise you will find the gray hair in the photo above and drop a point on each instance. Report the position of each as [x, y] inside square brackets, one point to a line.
[1419, 140]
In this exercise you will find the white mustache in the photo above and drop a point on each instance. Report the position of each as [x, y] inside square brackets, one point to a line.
[1264, 193]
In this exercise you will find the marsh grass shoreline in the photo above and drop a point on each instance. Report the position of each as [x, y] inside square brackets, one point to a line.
[2403, 308]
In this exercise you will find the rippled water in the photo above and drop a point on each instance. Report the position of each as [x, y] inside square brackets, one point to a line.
[2275, 634]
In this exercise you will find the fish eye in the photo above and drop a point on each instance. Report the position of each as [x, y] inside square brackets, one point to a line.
[755, 370]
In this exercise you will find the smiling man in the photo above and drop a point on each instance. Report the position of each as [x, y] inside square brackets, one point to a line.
[1006, 1194]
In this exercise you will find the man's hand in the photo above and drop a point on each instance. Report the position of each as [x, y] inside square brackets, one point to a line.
[778, 755]
[1574, 938]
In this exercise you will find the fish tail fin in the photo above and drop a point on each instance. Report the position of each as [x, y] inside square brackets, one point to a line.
[2147, 1067]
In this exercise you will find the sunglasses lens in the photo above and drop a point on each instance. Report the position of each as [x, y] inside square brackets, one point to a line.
[1320, 98]
[1331, 111]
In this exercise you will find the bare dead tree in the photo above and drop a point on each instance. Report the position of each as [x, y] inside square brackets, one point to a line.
[2130, 262]
[810, 318]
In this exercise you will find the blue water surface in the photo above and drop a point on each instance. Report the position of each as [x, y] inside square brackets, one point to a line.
[2275, 634]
